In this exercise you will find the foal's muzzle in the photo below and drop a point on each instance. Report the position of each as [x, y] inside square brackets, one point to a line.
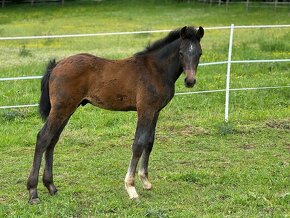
[189, 83]
[190, 79]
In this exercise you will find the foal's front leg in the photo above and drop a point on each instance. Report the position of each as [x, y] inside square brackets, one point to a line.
[142, 136]
[143, 171]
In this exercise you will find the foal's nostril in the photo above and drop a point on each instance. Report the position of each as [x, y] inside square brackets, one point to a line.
[189, 83]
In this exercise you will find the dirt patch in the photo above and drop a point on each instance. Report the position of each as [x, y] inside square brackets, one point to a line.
[279, 124]
[194, 130]
[3, 198]
[187, 130]
[248, 146]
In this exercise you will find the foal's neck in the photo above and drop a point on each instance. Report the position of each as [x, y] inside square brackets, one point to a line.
[167, 61]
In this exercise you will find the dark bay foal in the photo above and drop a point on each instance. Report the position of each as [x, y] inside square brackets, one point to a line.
[143, 83]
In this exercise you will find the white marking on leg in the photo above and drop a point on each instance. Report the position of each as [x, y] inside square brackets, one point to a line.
[130, 187]
[143, 171]
[144, 178]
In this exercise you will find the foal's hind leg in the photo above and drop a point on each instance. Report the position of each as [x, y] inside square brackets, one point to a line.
[142, 136]
[44, 139]
[143, 171]
[47, 174]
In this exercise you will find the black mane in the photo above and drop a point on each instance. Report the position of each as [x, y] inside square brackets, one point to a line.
[172, 36]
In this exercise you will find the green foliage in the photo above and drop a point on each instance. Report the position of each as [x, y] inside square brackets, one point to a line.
[274, 46]
[12, 115]
[200, 166]
[24, 52]
[226, 128]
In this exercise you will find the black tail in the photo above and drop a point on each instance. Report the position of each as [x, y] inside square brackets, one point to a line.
[44, 103]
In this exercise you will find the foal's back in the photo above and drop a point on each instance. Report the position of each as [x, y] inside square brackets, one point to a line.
[109, 84]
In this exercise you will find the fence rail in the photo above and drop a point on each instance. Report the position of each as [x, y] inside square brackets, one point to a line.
[133, 32]
[228, 62]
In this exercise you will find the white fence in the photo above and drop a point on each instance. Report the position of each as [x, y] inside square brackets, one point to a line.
[229, 62]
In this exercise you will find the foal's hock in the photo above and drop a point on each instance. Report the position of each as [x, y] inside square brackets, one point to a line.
[143, 83]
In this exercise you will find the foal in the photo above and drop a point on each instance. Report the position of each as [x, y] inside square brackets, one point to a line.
[143, 83]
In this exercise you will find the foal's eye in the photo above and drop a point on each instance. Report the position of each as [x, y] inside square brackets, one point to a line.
[181, 54]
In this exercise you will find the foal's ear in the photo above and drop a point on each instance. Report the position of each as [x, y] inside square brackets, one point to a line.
[183, 32]
[200, 33]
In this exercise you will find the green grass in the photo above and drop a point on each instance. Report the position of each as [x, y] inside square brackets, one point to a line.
[200, 166]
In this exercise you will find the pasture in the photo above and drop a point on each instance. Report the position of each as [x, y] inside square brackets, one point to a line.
[200, 166]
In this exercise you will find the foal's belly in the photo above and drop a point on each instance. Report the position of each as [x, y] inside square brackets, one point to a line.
[119, 102]
[112, 95]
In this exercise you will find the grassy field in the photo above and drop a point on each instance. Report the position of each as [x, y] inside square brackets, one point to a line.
[200, 166]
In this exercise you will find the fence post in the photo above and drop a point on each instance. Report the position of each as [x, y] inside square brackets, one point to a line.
[247, 5]
[229, 74]
[227, 5]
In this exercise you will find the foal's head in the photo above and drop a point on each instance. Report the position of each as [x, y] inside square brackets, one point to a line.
[190, 52]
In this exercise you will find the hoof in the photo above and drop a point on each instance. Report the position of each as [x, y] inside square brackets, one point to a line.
[132, 192]
[52, 190]
[130, 188]
[34, 201]
[147, 186]
[134, 197]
